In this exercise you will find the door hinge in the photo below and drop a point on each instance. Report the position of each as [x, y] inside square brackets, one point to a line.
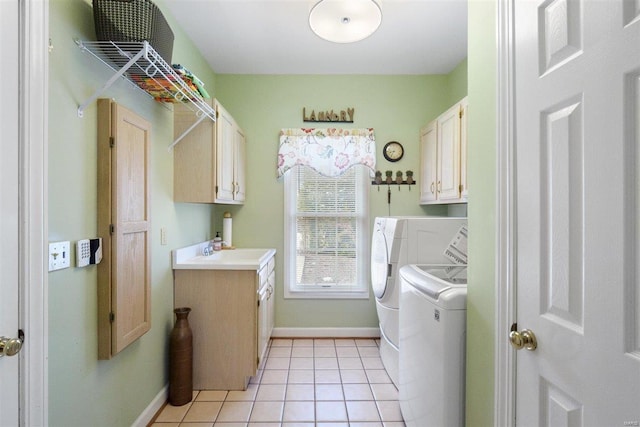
[112, 229]
[461, 113]
[460, 188]
[112, 317]
[258, 360]
[216, 189]
[112, 142]
[258, 303]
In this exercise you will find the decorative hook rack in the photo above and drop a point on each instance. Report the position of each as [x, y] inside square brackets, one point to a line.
[390, 180]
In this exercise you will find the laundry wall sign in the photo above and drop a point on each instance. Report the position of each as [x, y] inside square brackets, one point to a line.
[342, 116]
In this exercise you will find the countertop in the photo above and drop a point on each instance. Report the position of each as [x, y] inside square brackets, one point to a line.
[191, 258]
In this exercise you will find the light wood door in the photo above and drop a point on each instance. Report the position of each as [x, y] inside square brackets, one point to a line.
[263, 322]
[9, 209]
[124, 275]
[429, 162]
[266, 307]
[577, 104]
[225, 148]
[271, 299]
[239, 165]
[448, 183]
[464, 117]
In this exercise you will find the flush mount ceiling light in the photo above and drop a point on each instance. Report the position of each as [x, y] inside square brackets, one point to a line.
[345, 21]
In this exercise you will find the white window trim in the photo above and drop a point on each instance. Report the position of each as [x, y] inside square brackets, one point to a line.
[290, 181]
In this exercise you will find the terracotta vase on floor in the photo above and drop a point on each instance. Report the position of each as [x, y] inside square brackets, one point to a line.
[181, 359]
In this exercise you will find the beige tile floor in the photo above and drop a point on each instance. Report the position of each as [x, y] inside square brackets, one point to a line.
[304, 383]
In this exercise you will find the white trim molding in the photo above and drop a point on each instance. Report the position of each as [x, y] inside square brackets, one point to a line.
[326, 333]
[506, 303]
[152, 409]
[34, 107]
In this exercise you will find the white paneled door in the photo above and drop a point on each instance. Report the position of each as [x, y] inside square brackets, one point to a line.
[23, 166]
[577, 114]
[9, 223]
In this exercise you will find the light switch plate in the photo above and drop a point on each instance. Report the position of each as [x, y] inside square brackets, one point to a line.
[59, 255]
[163, 236]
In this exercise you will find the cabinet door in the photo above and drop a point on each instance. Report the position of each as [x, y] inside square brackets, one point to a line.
[271, 301]
[448, 184]
[124, 275]
[429, 159]
[224, 325]
[464, 117]
[193, 158]
[225, 147]
[239, 165]
[263, 323]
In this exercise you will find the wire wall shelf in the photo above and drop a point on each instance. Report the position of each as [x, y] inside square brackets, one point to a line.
[141, 65]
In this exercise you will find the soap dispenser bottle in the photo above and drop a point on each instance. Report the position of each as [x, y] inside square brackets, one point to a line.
[217, 242]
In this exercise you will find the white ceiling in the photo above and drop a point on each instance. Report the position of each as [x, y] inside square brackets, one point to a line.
[273, 37]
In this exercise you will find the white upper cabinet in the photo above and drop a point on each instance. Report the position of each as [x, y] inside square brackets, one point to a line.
[209, 162]
[464, 110]
[230, 146]
[443, 157]
[428, 162]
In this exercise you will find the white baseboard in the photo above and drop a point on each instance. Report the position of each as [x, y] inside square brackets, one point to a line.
[147, 415]
[326, 333]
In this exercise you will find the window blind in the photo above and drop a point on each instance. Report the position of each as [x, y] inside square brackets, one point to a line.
[328, 245]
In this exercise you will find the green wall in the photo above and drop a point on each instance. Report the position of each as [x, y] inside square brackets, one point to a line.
[482, 212]
[458, 82]
[395, 106]
[82, 390]
[115, 392]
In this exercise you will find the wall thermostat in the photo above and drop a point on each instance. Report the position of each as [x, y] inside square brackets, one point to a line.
[88, 251]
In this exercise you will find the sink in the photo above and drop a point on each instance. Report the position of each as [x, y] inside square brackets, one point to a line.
[191, 258]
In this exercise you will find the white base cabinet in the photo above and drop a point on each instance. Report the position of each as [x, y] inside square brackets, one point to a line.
[443, 146]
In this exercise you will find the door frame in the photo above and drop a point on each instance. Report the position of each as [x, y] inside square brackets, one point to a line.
[33, 140]
[506, 286]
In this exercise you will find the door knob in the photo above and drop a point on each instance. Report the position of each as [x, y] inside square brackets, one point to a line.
[11, 346]
[525, 339]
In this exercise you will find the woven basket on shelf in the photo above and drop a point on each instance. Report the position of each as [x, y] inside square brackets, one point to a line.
[133, 21]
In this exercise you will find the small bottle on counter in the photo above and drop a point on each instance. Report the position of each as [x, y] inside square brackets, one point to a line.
[217, 242]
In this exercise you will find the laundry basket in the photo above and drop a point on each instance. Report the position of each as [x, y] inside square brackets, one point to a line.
[133, 21]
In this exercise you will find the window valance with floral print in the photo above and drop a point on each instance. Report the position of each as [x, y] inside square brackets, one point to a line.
[329, 152]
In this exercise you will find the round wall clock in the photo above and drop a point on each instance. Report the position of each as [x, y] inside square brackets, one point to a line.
[393, 151]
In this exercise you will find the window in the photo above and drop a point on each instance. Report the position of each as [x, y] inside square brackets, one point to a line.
[326, 234]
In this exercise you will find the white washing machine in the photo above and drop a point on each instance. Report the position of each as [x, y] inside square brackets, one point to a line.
[433, 302]
[398, 241]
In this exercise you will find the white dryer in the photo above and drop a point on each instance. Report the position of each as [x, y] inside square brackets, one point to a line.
[398, 241]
